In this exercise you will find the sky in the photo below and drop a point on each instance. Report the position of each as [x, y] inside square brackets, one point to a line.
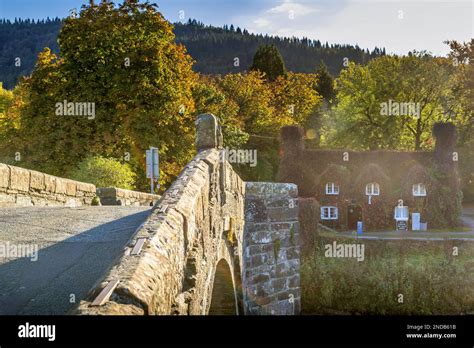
[398, 25]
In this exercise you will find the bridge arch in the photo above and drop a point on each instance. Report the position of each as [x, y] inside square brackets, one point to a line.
[224, 296]
[213, 244]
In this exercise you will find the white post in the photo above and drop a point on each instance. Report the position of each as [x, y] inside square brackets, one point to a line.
[152, 189]
[152, 166]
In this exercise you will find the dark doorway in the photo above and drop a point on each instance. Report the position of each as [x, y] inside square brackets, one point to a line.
[223, 294]
[354, 214]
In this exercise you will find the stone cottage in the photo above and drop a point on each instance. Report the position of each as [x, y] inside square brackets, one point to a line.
[368, 186]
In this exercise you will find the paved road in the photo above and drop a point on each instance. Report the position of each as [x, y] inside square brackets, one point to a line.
[76, 246]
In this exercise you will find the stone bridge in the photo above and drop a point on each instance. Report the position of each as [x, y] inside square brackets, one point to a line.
[212, 244]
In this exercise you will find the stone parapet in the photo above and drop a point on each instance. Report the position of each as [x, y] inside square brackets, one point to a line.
[118, 196]
[169, 265]
[24, 187]
[211, 245]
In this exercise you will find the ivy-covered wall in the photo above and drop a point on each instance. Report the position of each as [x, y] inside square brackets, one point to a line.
[395, 171]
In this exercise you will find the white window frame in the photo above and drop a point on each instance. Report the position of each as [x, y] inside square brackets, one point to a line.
[372, 189]
[405, 213]
[419, 190]
[326, 213]
[332, 189]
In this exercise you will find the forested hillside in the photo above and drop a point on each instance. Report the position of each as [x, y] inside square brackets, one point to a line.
[24, 39]
[157, 97]
[214, 49]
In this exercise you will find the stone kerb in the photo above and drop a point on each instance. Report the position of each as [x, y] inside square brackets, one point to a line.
[271, 249]
[118, 196]
[24, 187]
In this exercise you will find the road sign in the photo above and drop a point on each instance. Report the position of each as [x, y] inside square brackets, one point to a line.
[402, 225]
[152, 164]
[152, 167]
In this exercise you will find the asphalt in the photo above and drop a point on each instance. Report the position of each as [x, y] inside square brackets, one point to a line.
[76, 246]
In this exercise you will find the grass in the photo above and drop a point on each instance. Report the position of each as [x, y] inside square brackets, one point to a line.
[431, 279]
[455, 229]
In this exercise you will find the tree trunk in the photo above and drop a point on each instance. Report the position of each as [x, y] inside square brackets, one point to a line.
[418, 134]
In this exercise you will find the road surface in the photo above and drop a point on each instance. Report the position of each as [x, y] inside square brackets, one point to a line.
[75, 247]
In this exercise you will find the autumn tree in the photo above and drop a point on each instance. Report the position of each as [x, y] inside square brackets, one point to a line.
[11, 104]
[462, 57]
[419, 80]
[124, 60]
[6, 98]
[294, 100]
[251, 105]
[209, 97]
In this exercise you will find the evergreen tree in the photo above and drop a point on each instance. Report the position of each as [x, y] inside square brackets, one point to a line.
[325, 86]
[209, 46]
[268, 60]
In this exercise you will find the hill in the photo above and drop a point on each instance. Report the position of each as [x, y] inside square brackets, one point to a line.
[214, 49]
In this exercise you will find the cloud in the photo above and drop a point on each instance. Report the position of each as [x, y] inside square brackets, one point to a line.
[297, 9]
[262, 23]
[282, 18]
[368, 23]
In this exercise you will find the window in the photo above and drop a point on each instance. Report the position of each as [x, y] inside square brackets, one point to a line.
[401, 213]
[332, 188]
[328, 213]
[419, 190]
[372, 189]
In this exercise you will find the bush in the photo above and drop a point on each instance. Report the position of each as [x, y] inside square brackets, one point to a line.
[105, 172]
[430, 278]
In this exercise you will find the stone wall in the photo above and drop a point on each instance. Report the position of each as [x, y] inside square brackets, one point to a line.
[117, 196]
[197, 227]
[271, 249]
[23, 187]
[196, 223]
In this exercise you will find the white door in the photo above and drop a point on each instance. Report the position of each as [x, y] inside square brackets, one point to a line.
[415, 221]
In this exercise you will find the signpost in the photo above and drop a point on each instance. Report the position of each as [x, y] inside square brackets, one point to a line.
[152, 167]
[402, 225]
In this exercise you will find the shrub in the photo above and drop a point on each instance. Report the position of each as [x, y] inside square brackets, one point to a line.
[105, 172]
[431, 279]
[95, 201]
